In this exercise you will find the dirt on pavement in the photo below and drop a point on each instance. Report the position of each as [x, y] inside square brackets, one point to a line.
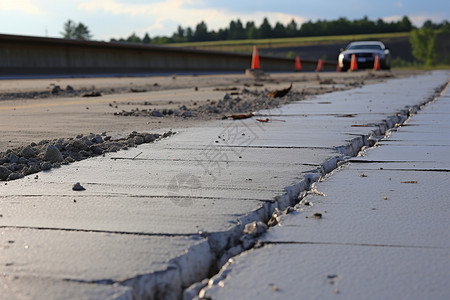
[33, 110]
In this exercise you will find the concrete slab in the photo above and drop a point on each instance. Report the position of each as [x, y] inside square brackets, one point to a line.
[436, 154]
[87, 256]
[414, 213]
[146, 194]
[14, 287]
[302, 271]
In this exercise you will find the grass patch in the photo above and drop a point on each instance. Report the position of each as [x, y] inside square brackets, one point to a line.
[246, 46]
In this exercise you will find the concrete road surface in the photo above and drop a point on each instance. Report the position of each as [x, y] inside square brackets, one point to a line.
[160, 217]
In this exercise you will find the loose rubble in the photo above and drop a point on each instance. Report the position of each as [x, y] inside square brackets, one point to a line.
[244, 101]
[69, 91]
[47, 154]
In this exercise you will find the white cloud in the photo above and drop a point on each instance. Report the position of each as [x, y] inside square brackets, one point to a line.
[120, 7]
[399, 4]
[417, 20]
[183, 13]
[24, 6]
[394, 18]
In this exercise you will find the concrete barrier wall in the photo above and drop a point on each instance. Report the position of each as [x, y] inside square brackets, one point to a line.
[22, 55]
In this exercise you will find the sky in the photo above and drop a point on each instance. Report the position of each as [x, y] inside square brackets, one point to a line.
[108, 19]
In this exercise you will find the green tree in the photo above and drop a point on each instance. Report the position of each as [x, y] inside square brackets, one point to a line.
[146, 39]
[291, 28]
[405, 25]
[82, 32]
[79, 31]
[265, 30]
[308, 29]
[180, 31]
[201, 32]
[189, 34]
[236, 31]
[134, 38]
[445, 28]
[279, 31]
[423, 42]
[251, 30]
[222, 34]
[179, 35]
[69, 29]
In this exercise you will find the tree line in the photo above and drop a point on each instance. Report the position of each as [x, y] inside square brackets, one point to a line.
[423, 40]
[236, 30]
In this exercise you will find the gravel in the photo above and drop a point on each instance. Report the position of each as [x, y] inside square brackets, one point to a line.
[47, 154]
[241, 101]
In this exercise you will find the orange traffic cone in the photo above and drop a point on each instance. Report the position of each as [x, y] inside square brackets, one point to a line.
[255, 59]
[376, 63]
[298, 64]
[353, 63]
[319, 65]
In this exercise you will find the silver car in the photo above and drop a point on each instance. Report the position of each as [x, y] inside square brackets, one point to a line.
[365, 53]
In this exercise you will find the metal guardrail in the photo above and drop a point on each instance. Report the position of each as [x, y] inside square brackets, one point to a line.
[26, 55]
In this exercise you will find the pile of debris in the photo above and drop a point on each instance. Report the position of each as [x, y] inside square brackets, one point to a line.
[47, 154]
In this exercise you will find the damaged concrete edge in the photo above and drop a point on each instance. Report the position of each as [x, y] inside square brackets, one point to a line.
[295, 193]
[207, 263]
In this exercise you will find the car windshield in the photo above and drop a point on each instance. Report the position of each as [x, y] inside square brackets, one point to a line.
[374, 47]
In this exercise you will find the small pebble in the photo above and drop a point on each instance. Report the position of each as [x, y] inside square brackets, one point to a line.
[78, 187]
[317, 215]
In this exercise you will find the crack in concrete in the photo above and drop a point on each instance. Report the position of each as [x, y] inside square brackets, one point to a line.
[194, 235]
[274, 147]
[411, 170]
[362, 161]
[120, 195]
[263, 243]
[205, 160]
